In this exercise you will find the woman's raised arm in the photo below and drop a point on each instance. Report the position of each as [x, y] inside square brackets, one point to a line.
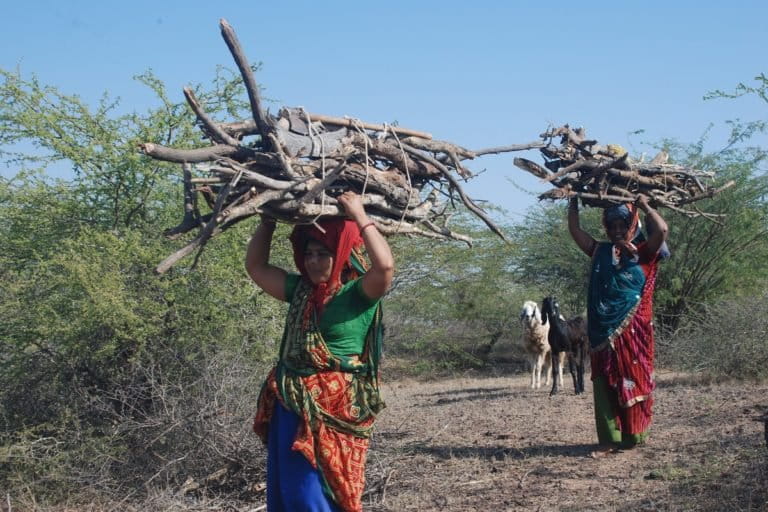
[268, 277]
[583, 239]
[657, 227]
[378, 278]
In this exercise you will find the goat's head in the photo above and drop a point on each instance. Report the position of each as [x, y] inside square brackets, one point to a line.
[529, 312]
[549, 309]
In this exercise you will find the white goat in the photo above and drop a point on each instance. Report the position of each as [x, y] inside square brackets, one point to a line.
[536, 344]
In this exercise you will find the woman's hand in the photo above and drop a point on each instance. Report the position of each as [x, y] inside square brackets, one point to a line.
[353, 205]
[642, 202]
[627, 247]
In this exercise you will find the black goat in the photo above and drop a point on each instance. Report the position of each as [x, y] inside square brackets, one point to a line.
[568, 336]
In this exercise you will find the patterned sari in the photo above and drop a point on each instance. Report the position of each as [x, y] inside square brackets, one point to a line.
[336, 398]
[620, 323]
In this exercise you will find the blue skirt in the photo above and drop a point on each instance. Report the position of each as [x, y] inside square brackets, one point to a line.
[293, 485]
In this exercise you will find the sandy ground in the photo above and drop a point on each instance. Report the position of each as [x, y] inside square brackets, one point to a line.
[494, 444]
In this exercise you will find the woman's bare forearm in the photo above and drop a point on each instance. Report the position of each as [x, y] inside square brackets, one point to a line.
[657, 226]
[583, 239]
[268, 277]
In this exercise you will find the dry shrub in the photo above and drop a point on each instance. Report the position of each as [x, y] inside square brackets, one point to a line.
[726, 339]
[186, 434]
[443, 347]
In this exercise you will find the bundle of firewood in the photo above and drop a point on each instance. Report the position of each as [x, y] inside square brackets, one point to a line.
[605, 175]
[300, 162]
[297, 164]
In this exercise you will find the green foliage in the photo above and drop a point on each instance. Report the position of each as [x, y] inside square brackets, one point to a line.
[94, 308]
[36, 215]
[115, 186]
[92, 338]
[726, 257]
[744, 131]
[450, 304]
[549, 261]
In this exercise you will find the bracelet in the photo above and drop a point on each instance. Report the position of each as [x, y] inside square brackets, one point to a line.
[367, 226]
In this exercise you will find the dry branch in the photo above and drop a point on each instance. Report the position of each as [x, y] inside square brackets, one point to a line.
[301, 161]
[605, 175]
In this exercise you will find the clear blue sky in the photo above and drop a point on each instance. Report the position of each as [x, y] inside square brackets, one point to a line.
[475, 73]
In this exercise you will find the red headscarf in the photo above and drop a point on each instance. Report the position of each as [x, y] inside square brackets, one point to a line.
[340, 236]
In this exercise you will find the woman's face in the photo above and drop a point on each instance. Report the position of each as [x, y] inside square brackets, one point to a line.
[318, 261]
[617, 230]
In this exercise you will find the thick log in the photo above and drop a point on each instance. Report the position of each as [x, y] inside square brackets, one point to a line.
[249, 127]
[327, 180]
[206, 154]
[394, 154]
[362, 125]
[531, 167]
[263, 122]
[391, 184]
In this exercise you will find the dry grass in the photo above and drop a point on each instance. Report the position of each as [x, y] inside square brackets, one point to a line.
[473, 443]
[493, 444]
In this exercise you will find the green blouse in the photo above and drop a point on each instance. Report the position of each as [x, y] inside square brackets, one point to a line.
[346, 318]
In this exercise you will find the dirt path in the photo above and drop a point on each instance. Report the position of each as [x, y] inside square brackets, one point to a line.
[494, 444]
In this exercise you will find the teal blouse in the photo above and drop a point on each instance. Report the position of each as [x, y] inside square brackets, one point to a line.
[614, 292]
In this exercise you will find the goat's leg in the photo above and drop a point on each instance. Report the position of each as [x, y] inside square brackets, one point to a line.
[540, 358]
[579, 371]
[572, 371]
[532, 364]
[560, 365]
[580, 367]
[555, 357]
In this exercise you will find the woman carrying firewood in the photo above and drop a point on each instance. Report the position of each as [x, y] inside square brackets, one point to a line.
[317, 407]
[620, 321]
